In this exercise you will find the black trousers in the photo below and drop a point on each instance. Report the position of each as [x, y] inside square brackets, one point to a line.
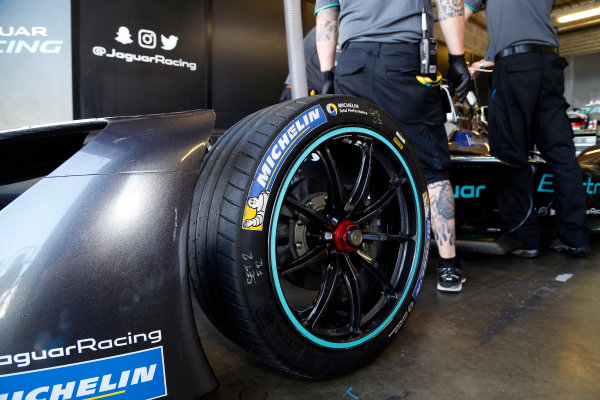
[385, 74]
[527, 107]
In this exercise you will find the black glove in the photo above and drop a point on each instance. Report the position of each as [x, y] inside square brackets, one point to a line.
[327, 77]
[286, 94]
[458, 76]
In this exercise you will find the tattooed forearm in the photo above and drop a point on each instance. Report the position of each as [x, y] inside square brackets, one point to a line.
[450, 9]
[327, 24]
[442, 215]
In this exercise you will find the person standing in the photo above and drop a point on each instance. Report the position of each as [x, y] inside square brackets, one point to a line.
[380, 62]
[527, 107]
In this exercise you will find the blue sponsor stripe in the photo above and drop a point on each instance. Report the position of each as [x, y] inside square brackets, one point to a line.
[414, 268]
[139, 375]
[256, 188]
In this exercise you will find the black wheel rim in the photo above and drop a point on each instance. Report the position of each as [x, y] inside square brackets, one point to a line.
[345, 237]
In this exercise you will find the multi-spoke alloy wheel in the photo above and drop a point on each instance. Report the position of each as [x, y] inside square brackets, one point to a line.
[309, 234]
[345, 237]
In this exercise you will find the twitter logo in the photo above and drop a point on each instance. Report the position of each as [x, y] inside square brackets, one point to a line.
[168, 43]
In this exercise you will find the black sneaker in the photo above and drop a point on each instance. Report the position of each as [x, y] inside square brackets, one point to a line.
[451, 276]
[559, 246]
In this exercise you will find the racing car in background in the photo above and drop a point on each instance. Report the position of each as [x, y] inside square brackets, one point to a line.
[474, 173]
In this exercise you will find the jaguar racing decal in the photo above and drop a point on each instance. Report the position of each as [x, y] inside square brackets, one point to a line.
[133, 376]
[271, 163]
[425, 246]
[81, 346]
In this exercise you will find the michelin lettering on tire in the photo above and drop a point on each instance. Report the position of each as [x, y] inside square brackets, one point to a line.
[271, 163]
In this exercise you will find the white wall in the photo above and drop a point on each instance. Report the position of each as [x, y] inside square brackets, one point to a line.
[582, 83]
[35, 62]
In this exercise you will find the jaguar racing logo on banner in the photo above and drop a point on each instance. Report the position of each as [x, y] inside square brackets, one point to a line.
[134, 41]
[28, 40]
[133, 376]
[271, 163]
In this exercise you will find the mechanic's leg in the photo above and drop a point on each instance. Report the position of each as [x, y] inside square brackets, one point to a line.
[450, 272]
[418, 109]
[515, 204]
[512, 103]
[441, 199]
[431, 144]
[383, 78]
[554, 138]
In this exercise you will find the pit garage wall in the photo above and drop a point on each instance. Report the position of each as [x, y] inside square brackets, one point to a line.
[248, 57]
[35, 62]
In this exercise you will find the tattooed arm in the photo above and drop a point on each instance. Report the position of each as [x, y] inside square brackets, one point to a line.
[451, 14]
[327, 35]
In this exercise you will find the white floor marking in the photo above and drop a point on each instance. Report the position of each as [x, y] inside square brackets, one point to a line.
[563, 277]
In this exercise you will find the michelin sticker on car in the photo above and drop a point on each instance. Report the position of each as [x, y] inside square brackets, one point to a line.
[271, 163]
[133, 376]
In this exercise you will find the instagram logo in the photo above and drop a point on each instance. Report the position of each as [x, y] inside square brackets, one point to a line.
[147, 39]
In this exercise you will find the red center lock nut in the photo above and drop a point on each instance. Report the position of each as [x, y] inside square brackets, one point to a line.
[346, 236]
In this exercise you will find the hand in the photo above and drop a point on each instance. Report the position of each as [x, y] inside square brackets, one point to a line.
[481, 64]
[474, 67]
[458, 76]
[327, 87]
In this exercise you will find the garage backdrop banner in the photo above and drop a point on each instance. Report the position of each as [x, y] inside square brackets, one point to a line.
[139, 56]
[35, 62]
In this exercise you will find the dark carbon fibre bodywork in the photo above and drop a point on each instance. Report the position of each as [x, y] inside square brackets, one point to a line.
[98, 250]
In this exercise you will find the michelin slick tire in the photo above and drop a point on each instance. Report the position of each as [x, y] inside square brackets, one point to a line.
[309, 234]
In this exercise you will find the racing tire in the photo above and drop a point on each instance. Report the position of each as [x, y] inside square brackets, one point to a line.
[309, 234]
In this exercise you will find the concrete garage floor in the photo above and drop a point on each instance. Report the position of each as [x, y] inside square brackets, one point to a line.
[514, 332]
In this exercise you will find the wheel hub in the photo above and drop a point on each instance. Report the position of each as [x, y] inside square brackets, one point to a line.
[346, 236]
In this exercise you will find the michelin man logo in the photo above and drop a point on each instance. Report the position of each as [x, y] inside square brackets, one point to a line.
[258, 203]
